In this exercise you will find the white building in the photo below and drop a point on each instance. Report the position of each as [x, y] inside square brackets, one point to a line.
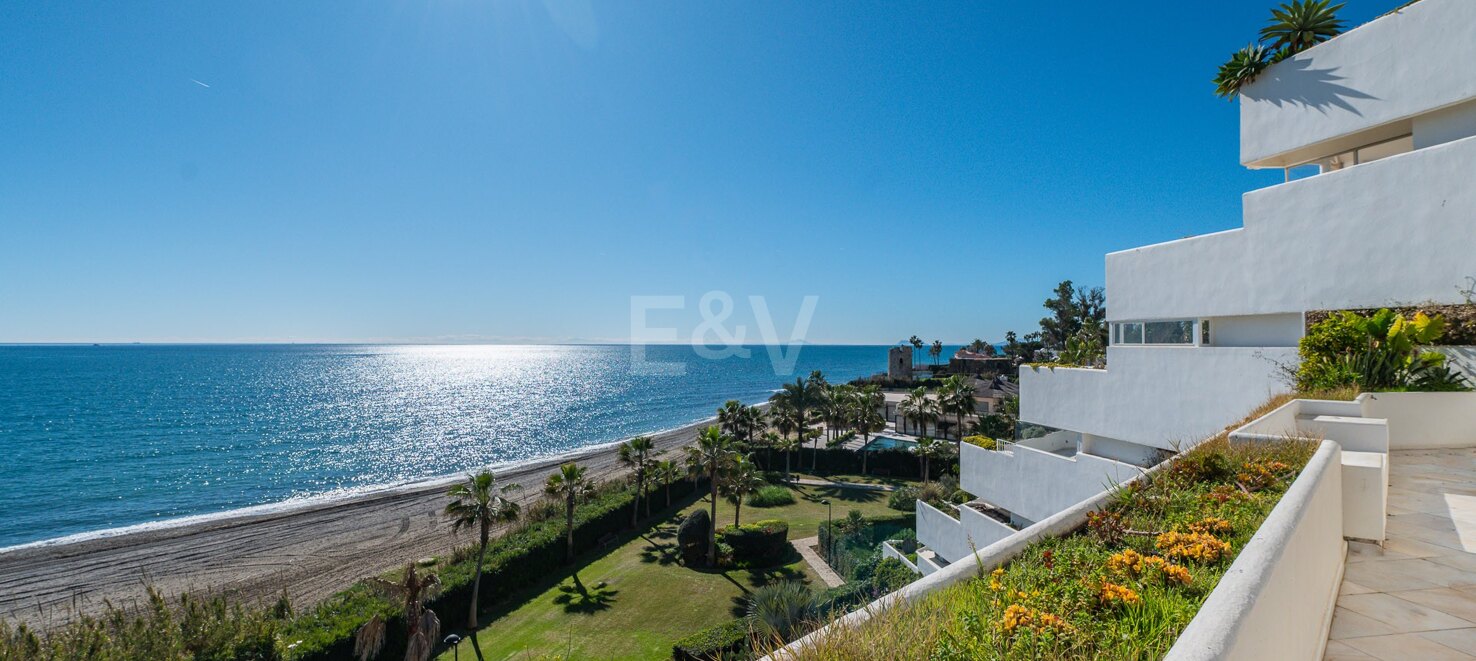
[1380, 124]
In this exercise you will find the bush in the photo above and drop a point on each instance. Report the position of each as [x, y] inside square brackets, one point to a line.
[771, 496]
[1380, 351]
[763, 543]
[692, 537]
[726, 642]
[904, 499]
[982, 441]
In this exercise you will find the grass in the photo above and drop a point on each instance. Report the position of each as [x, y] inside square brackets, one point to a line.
[1094, 593]
[636, 600]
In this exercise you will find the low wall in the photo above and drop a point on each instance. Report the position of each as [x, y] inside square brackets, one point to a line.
[1424, 420]
[1277, 598]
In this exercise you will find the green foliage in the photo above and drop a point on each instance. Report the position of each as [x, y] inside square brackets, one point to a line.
[692, 534]
[726, 642]
[986, 442]
[1294, 27]
[771, 496]
[903, 499]
[1086, 595]
[1242, 68]
[779, 611]
[1379, 351]
[194, 629]
[758, 544]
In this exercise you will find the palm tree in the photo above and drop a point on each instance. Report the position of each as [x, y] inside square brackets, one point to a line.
[866, 417]
[711, 455]
[571, 484]
[732, 418]
[917, 407]
[636, 453]
[666, 471]
[480, 503]
[928, 449]
[423, 628]
[1301, 24]
[743, 478]
[784, 445]
[779, 611]
[803, 396]
[917, 344]
[957, 398]
[936, 350]
[977, 346]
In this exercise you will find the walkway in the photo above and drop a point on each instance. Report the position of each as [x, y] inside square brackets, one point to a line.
[811, 482]
[1416, 597]
[806, 548]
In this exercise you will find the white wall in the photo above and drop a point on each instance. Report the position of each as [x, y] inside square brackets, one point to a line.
[1266, 330]
[1161, 397]
[941, 532]
[1425, 420]
[1390, 69]
[1398, 230]
[1445, 125]
[1033, 483]
[1111, 448]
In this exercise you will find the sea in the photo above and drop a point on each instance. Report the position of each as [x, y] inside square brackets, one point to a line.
[95, 440]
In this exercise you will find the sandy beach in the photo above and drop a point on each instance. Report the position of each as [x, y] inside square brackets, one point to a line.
[311, 552]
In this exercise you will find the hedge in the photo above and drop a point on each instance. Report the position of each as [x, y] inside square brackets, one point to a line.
[894, 463]
[515, 561]
[727, 641]
[770, 496]
[764, 542]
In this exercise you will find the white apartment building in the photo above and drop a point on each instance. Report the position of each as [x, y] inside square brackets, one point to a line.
[1376, 130]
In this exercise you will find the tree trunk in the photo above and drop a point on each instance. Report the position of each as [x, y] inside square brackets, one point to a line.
[471, 616]
[786, 465]
[712, 525]
[668, 494]
[737, 509]
[925, 468]
[863, 461]
[635, 506]
[569, 529]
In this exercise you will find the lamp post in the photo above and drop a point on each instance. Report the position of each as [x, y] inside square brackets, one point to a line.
[829, 532]
[455, 642]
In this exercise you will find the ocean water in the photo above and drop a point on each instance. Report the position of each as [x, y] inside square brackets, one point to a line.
[101, 437]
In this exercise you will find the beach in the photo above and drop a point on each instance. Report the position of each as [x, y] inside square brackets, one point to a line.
[310, 551]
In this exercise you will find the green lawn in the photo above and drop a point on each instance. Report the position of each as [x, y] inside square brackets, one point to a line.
[859, 479]
[636, 600]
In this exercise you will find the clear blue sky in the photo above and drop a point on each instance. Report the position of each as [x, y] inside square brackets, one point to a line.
[303, 171]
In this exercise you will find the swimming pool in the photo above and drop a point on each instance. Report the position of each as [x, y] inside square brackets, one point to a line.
[887, 443]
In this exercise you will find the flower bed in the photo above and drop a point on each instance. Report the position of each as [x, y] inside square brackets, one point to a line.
[1124, 586]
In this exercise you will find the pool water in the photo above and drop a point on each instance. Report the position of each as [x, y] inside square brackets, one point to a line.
[887, 443]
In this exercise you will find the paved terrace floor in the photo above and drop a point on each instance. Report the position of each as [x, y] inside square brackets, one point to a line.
[1416, 597]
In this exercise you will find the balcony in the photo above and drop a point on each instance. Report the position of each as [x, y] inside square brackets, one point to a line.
[1334, 241]
[978, 525]
[1161, 397]
[1034, 483]
[1373, 83]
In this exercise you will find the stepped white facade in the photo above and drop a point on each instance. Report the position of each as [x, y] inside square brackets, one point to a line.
[1380, 126]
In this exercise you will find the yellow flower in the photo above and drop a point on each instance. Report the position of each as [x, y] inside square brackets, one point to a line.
[1197, 546]
[1211, 525]
[1127, 562]
[1113, 593]
[1018, 616]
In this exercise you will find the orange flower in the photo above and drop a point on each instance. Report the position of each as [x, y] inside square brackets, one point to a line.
[1197, 546]
[1211, 525]
[1113, 594]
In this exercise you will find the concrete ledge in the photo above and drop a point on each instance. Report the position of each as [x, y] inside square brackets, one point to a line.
[1276, 600]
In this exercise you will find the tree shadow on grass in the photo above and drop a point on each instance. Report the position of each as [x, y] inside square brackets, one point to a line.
[657, 552]
[575, 597]
[818, 494]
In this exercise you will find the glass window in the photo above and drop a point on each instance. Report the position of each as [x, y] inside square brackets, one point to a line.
[1131, 333]
[1169, 332]
[1204, 332]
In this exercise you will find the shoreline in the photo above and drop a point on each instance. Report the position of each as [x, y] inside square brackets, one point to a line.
[342, 496]
[310, 548]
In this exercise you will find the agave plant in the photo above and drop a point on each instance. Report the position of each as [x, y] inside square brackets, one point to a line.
[779, 611]
[423, 627]
[1243, 67]
[1301, 24]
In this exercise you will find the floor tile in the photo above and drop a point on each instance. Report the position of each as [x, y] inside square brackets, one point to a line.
[1463, 640]
[1347, 624]
[1338, 651]
[1451, 601]
[1405, 647]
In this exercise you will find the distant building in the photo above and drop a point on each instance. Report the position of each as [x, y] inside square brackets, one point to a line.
[899, 362]
[979, 364]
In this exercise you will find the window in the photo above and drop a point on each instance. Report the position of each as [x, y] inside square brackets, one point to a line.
[1178, 331]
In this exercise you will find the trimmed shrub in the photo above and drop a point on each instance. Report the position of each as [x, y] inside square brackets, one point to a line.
[982, 441]
[762, 543]
[692, 537]
[726, 642]
[770, 496]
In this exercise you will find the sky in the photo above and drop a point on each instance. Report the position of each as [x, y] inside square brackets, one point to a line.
[514, 171]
